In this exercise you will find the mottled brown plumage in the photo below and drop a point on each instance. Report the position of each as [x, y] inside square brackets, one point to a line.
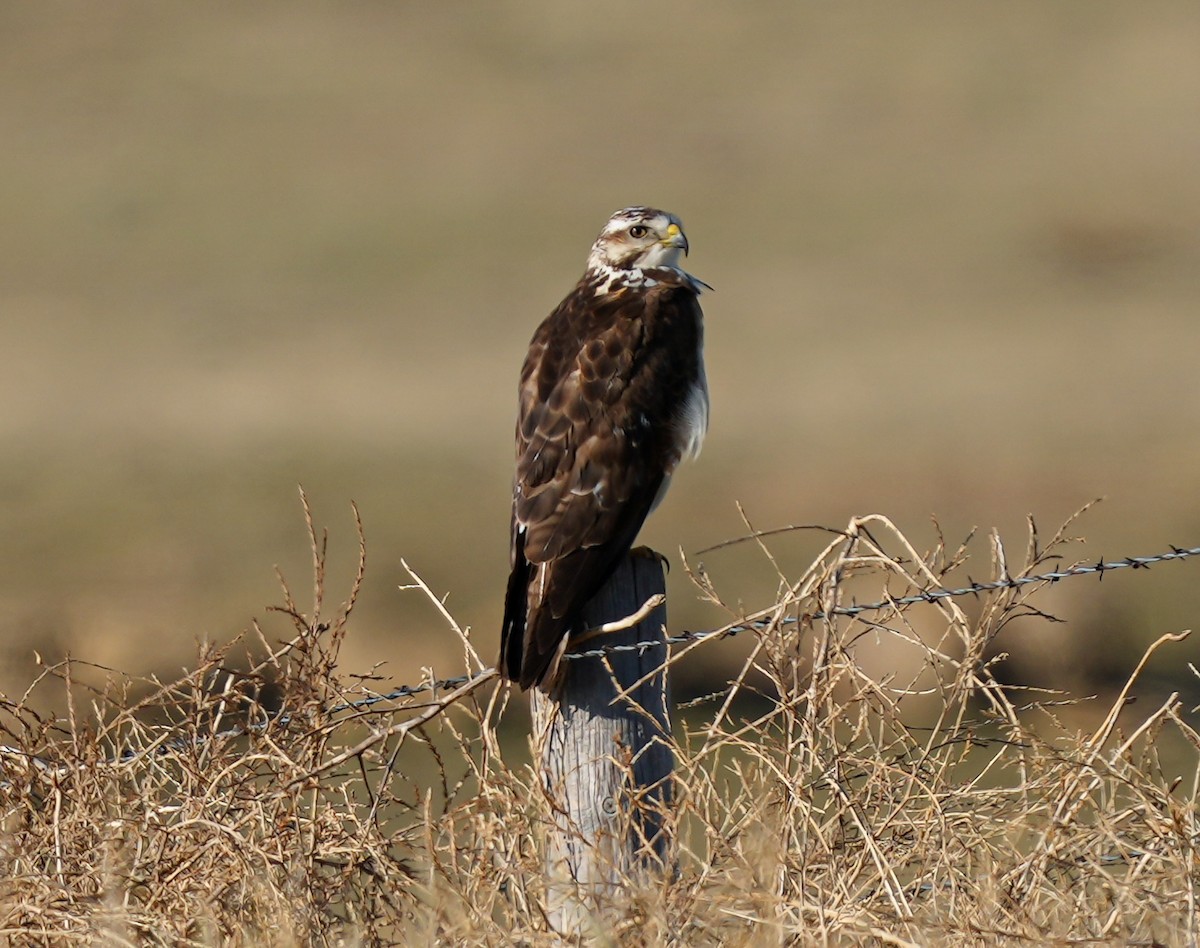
[612, 396]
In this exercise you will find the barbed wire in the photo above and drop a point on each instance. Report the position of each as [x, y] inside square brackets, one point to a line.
[934, 595]
[282, 719]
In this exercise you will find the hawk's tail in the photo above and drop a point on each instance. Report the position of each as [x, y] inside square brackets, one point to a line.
[529, 642]
[512, 633]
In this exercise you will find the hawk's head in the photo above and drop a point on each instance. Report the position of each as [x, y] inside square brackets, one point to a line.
[638, 238]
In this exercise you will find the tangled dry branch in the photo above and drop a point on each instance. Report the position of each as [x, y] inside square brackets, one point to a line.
[821, 795]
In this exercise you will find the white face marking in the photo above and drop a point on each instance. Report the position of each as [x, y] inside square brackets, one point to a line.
[635, 240]
[639, 238]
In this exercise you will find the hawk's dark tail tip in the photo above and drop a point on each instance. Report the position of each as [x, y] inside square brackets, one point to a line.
[512, 632]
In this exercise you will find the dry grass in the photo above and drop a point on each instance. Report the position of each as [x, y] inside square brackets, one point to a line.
[956, 252]
[816, 801]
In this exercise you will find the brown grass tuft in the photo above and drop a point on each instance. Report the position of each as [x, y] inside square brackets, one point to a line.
[821, 797]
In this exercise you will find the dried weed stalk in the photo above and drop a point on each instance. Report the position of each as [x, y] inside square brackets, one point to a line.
[819, 799]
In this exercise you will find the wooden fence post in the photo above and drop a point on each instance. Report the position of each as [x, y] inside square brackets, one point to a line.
[606, 761]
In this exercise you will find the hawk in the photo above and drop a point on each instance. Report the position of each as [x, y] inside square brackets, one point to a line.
[613, 396]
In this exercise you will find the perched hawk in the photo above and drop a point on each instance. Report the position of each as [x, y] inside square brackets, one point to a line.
[612, 397]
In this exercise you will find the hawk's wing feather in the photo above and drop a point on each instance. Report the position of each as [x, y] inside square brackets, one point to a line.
[601, 396]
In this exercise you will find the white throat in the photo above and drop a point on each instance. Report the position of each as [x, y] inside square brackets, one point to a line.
[657, 256]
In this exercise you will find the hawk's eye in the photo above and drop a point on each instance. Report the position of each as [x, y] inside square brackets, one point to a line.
[638, 231]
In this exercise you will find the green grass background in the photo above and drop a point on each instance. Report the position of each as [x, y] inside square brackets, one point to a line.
[956, 253]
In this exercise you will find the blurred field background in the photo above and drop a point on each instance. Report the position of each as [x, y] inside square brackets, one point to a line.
[956, 253]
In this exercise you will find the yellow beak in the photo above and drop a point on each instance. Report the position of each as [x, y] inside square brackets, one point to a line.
[675, 238]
